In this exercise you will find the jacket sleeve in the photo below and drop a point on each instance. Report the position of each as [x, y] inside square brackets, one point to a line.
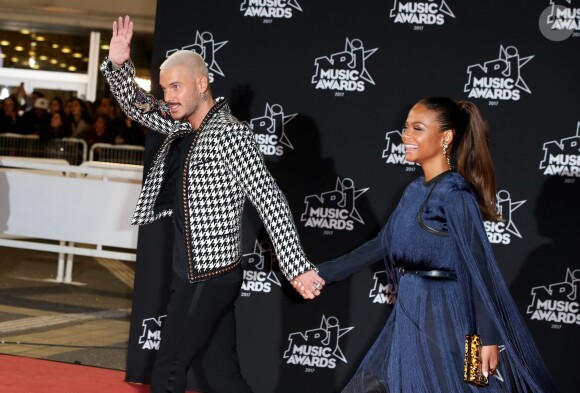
[244, 161]
[140, 106]
[342, 267]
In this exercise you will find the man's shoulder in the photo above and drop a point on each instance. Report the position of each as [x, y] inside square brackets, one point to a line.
[225, 121]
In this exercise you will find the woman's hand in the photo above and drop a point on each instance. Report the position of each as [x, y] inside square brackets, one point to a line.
[489, 359]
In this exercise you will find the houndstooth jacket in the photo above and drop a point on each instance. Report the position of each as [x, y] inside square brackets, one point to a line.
[224, 166]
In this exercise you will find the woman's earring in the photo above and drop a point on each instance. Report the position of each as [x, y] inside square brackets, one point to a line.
[445, 146]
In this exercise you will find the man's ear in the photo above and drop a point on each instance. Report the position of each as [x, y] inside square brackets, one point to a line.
[202, 83]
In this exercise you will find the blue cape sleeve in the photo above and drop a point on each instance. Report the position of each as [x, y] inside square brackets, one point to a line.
[340, 268]
[494, 307]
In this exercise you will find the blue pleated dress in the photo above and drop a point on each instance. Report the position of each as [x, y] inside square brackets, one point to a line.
[437, 225]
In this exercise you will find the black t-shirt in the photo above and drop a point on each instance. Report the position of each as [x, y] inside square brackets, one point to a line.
[176, 173]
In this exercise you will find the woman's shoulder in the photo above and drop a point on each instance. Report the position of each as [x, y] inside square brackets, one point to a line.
[455, 182]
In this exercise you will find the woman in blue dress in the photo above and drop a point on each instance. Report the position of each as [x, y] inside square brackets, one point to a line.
[449, 285]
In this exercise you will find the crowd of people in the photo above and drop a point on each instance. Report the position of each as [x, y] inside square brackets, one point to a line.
[95, 122]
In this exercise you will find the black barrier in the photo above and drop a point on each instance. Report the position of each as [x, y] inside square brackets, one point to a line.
[325, 86]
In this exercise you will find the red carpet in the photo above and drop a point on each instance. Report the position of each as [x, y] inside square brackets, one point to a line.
[27, 375]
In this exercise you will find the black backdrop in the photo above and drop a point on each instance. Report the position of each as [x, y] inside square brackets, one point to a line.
[326, 86]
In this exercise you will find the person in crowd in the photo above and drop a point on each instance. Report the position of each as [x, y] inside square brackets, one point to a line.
[68, 107]
[10, 117]
[100, 131]
[436, 250]
[56, 105]
[37, 120]
[91, 110]
[130, 133]
[207, 166]
[79, 119]
[124, 131]
[107, 106]
[59, 126]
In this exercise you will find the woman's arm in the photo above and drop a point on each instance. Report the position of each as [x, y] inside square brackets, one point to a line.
[340, 268]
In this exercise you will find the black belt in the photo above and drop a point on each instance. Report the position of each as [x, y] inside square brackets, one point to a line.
[430, 273]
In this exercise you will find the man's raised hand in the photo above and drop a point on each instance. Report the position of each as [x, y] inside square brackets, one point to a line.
[120, 46]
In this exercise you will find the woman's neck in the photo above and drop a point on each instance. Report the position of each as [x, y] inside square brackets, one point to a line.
[434, 169]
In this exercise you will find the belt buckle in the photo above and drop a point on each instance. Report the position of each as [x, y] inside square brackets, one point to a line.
[402, 271]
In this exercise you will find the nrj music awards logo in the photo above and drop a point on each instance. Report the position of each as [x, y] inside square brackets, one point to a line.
[560, 20]
[394, 152]
[383, 291]
[207, 47]
[558, 302]
[421, 12]
[336, 209]
[151, 337]
[562, 158]
[317, 347]
[269, 130]
[277, 9]
[498, 79]
[344, 71]
[258, 273]
[501, 232]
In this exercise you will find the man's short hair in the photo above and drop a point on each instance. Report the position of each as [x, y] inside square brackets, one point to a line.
[190, 59]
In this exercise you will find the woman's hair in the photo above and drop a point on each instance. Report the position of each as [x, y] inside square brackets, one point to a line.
[470, 148]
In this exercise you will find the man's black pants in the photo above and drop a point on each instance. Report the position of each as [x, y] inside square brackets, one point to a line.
[200, 322]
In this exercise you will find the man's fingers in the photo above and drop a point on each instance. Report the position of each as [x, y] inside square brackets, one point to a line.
[128, 27]
[120, 26]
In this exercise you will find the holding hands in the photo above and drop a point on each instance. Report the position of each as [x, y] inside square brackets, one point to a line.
[308, 284]
[120, 46]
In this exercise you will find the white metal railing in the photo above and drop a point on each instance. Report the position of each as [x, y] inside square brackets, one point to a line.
[122, 154]
[73, 150]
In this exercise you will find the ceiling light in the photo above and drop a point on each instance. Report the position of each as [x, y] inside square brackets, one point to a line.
[77, 55]
[55, 46]
[4, 43]
[32, 62]
[72, 68]
[66, 50]
[53, 61]
[25, 31]
[14, 59]
[40, 38]
[62, 65]
[105, 47]
[43, 58]
[18, 48]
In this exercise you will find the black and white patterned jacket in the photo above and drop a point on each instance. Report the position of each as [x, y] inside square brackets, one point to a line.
[224, 166]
